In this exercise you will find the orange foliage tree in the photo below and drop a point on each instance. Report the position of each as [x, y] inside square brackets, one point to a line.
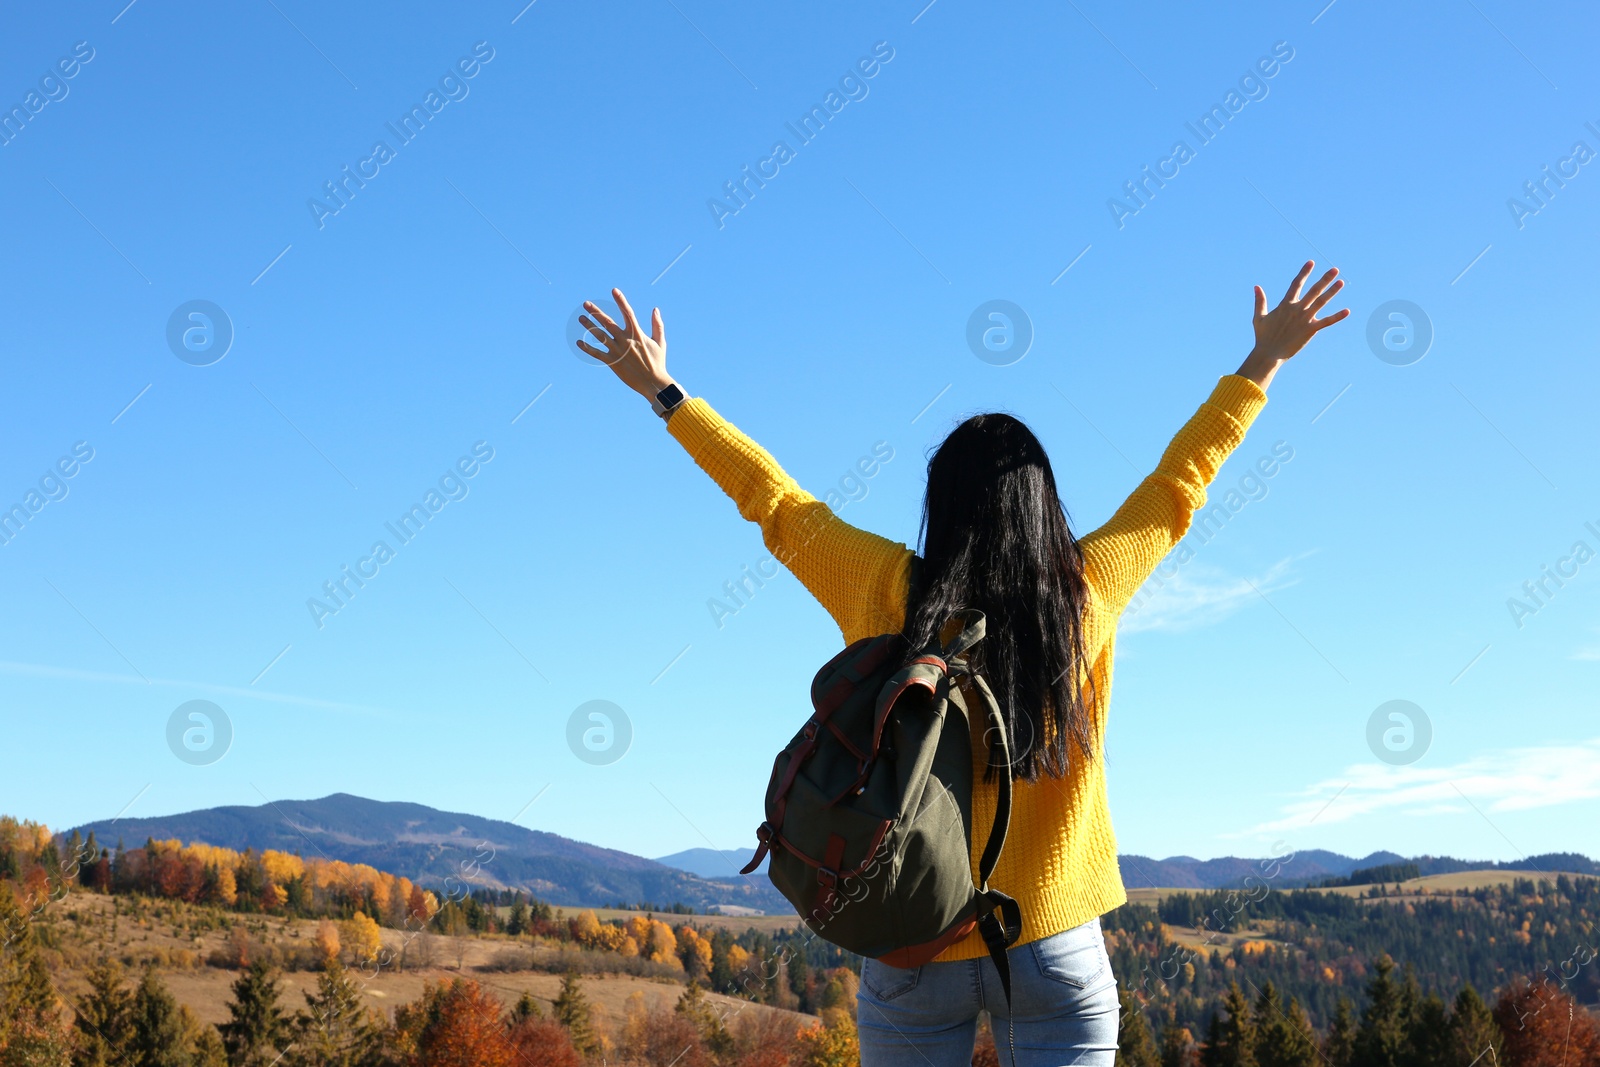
[454, 1024]
[1544, 1027]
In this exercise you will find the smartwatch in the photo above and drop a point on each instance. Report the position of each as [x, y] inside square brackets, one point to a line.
[668, 399]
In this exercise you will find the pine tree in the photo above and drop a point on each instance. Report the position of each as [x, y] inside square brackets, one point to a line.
[1177, 1045]
[31, 1028]
[1211, 1052]
[517, 922]
[1381, 1039]
[1136, 1046]
[258, 1031]
[1426, 1040]
[1284, 1038]
[203, 1040]
[50, 860]
[103, 1018]
[526, 1008]
[1237, 1047]
[156, 1031]
[693, 1006]
[799, 980]
[77, 858]
[572, 1011]
[1471, 1033]
[337, 1030]
[1339, 1047]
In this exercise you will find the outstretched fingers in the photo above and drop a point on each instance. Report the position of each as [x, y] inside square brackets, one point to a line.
[1321, 284]
[1324, 323]
[1261, 302]
[658, 329]
[627, 312]
[1293, 292]
[605, 320]
[1326, 295]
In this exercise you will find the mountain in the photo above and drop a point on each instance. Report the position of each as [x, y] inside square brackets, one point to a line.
[1313, 865]
[429, 846]
[712, 862]
[1296, 869]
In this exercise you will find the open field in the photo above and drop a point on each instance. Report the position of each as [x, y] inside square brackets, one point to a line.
[767, 924]
[174, 935]
[1450, 883]
[1411, 888]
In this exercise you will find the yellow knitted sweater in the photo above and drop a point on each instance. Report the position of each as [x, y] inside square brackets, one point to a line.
[1060, 858]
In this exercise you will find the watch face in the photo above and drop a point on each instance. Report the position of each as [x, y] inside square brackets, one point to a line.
[669, 396]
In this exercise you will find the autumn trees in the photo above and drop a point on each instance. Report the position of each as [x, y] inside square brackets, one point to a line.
[1544, 1027]
[43, 866]
[1533, 1024]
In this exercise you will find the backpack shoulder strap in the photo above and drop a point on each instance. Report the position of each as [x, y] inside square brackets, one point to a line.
[999, 934]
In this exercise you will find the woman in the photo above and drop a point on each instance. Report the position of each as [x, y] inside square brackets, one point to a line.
[995, 537]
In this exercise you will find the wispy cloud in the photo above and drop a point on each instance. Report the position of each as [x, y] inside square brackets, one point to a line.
[1517, 779]
[1199, 595]
[42, 670]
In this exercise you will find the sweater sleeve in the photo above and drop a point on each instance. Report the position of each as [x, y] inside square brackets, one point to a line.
[858, 577]
[1120, 555]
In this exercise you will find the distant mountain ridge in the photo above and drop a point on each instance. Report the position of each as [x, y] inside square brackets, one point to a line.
[713, 862]
[1311, 866]
[429, 846]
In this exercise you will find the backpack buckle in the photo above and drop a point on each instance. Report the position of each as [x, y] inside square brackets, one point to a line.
[809, 732]
[827, 876]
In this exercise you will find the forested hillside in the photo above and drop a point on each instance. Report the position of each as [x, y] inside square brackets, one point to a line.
[94, 942]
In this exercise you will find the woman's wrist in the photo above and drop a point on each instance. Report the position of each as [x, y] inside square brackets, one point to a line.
[665, 384]
[1259, 367]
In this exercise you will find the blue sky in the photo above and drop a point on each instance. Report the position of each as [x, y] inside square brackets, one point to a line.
[376, 347]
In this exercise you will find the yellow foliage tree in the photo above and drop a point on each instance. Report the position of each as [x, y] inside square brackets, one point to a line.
[361, 933]
[662, 946]
[327, 941]
[364, 938]
[282, 867]
[833, 1044]
[586, 928]
[693, 950]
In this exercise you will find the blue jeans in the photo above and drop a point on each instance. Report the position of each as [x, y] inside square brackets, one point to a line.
[1063, 1009]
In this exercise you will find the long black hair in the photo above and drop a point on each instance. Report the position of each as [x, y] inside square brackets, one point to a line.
[995, 537]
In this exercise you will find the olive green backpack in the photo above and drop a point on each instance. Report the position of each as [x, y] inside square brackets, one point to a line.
[869, 809]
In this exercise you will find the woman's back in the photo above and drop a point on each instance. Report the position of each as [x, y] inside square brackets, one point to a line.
[1060, 860]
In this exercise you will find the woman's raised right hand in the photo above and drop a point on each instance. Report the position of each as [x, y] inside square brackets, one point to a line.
[640, 361]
